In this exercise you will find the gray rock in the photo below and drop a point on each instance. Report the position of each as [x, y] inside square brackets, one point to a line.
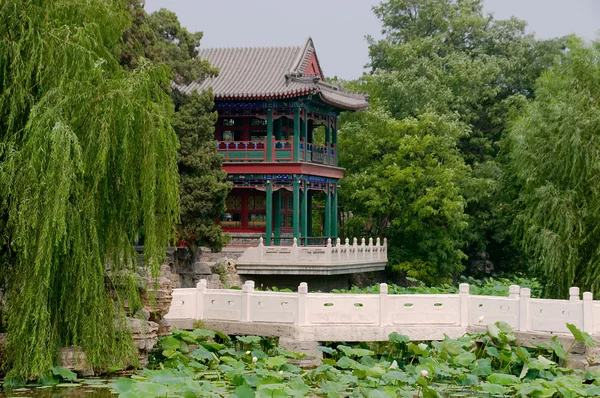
[73, 358]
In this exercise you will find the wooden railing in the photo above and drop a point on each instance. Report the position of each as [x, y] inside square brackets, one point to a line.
[243, 151]
[283, 151]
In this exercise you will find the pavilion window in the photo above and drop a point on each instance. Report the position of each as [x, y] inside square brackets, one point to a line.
[256, 206]
[287, 210]
[232, 218]
[230, 135]
[230, 129]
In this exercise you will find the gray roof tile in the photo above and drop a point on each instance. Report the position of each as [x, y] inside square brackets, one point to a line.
[269, 73]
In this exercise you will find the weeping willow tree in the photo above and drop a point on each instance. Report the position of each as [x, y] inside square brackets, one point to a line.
[554, 159]
[87, 155]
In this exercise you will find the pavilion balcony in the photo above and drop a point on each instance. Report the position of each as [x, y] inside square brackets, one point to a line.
[282, 151]
[338, 259]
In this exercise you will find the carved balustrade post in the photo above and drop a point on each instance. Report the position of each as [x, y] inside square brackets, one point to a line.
[200, 291]
[328, 252]
[513, 292]
[247, 290]
[588, 312]
[355, 248]
[463, 291]
[302, 292]
[347, 255]
[261, 248]
[573, 294]
[378, 248]
[524, 309]
[371, 249]
[383, 307]
[363, 249]
[295, 251]
[338, 245]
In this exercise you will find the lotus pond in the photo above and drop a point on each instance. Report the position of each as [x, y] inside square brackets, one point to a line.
[204, 363]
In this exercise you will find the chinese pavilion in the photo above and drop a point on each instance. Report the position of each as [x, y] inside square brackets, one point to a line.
[274, 108]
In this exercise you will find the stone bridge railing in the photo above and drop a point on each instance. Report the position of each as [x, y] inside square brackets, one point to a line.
[339, 314]
[341, 258]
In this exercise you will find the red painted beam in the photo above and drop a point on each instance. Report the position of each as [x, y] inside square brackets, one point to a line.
[284, 168]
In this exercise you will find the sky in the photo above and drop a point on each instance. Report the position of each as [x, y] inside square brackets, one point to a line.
[339, 27]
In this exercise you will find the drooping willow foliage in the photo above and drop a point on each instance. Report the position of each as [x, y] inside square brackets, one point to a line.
[554, 157]
[87, 156]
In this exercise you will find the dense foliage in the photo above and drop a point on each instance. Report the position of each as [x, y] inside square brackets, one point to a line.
[554, 160]
[203, 188]
[442, 60]
[160, 38]
[479, 287]
[405, 182]
[210, 364]
[87, 155]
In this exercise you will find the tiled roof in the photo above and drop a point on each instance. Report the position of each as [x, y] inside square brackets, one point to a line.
[269, 73]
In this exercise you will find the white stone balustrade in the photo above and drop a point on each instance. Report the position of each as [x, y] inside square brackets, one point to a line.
[340, 314]
[314, 260]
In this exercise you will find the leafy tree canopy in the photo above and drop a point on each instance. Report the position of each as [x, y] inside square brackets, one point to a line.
[87, 155]
[161, 38]
[554, 159]
[446, 57]
[203, 188]
[404, 182]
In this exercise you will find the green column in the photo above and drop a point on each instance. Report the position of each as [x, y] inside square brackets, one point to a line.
[334, 213]
[305, 135]
[305, 212]
[328, 212]
[334, 141]
[296, 133]
[269, 133]
[296, 215]
[327, 141]
[269, 211]
[309, 215]
[277, 218]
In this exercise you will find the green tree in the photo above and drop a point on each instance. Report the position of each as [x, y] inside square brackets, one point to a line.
[448, 57]
[160, 38]
[403, 182]
[203, 188]
[87, 154]
[203, 185]
[554, 161]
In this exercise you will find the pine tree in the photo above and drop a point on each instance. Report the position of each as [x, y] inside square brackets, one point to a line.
[203, 187]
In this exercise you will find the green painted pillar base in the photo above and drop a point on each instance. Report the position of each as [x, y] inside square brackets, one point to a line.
[305, 213]
[296, 214]
[277, 216]
[309, 215]
[334, 214]
[328, 212]
[269, 211]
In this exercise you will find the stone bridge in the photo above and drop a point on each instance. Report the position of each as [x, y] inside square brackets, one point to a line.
[303, 319]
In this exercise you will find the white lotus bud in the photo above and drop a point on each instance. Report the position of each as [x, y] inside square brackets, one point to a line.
[254, 359]
[248, 352]
[424, 373]
[394, 365]
[281, 373]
